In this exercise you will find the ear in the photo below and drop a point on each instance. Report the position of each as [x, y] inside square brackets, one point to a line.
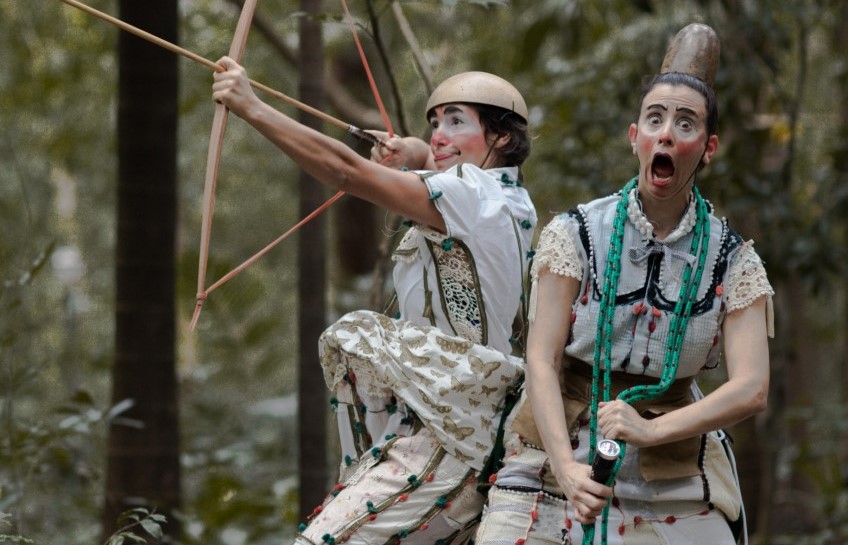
[502, 141]
[710, 149]
[632, 133]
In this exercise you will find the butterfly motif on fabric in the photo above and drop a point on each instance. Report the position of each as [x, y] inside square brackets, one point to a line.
[444, 409]
[458, 432]
[481, 367]
[455, 386]
[453, 345]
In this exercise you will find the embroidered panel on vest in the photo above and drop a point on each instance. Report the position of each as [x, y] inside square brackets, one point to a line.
[459, 289]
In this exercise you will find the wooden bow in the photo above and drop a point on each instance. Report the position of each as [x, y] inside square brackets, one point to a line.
[219, 125]
[216, 140]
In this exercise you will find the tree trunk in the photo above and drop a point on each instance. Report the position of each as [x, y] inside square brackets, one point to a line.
[312, 398]
[840, 166]
[143, 462]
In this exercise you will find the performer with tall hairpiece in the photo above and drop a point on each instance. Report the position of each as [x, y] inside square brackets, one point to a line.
[632, 296]
[420, 397]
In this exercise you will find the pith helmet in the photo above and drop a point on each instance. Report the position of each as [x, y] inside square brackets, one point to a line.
[479, 88]
[694, 51]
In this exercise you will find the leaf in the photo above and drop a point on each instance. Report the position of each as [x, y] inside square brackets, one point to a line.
[120, 407]
[83, 397]
[152, 527]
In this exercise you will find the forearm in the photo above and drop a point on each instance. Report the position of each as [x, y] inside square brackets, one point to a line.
[743, 395]
[327, 160]
[729, 404]
[336, 165]
[545, 398]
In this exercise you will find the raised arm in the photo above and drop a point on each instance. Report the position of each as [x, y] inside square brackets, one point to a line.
[326, 159]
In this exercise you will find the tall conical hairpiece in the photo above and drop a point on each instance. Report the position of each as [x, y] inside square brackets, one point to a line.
[694, 51]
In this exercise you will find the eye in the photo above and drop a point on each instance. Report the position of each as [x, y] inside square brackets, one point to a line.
[456, 121]
[654, 119]
[434, 123]
[686, 124]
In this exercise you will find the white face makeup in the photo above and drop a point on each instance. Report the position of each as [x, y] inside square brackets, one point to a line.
[458, 137]
[670, 139]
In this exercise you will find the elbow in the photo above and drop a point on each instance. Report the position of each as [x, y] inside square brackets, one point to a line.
[758, 402]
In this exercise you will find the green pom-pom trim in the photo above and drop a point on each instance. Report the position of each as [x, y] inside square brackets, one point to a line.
[447, 244]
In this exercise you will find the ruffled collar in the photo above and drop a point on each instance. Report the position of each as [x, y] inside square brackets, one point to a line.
[642, 224]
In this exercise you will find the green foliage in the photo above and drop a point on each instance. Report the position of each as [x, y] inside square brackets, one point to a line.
[10, 538]
[134, 520]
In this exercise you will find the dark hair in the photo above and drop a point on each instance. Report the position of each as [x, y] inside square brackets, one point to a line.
[502, 122]
[680, 78]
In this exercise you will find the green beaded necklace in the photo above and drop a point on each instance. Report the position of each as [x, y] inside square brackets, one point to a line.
[603, 337]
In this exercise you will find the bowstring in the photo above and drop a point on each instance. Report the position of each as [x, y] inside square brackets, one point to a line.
[203, 294]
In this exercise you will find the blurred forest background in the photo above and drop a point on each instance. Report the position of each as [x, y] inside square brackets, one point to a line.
[108, 402]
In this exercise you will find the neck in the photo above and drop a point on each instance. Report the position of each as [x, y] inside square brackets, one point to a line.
[665, 215]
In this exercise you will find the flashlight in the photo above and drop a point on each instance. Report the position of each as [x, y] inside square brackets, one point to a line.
[606, 456]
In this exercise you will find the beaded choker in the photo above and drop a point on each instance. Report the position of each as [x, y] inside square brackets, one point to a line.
[646, 228]
[606, 315]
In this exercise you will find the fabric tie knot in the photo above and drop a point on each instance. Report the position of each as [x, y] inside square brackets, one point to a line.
[639, 254]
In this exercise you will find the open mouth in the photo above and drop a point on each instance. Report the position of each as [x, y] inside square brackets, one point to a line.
[662, 167]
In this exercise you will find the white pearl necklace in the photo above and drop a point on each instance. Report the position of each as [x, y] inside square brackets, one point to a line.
[645, 227]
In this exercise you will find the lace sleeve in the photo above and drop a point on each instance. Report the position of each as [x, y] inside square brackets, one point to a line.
[746, 280]
[557, 252]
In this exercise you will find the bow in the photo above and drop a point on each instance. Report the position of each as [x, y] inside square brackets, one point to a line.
[219, 125]
[212, 167]
[216, 140]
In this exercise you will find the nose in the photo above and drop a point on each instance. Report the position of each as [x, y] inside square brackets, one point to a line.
[666, 134]
[438, 138]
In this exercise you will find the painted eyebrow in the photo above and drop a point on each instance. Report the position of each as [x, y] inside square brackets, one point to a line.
[447, 110]
[662, 107]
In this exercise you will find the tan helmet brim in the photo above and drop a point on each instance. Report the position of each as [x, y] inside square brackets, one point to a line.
[478, 88]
